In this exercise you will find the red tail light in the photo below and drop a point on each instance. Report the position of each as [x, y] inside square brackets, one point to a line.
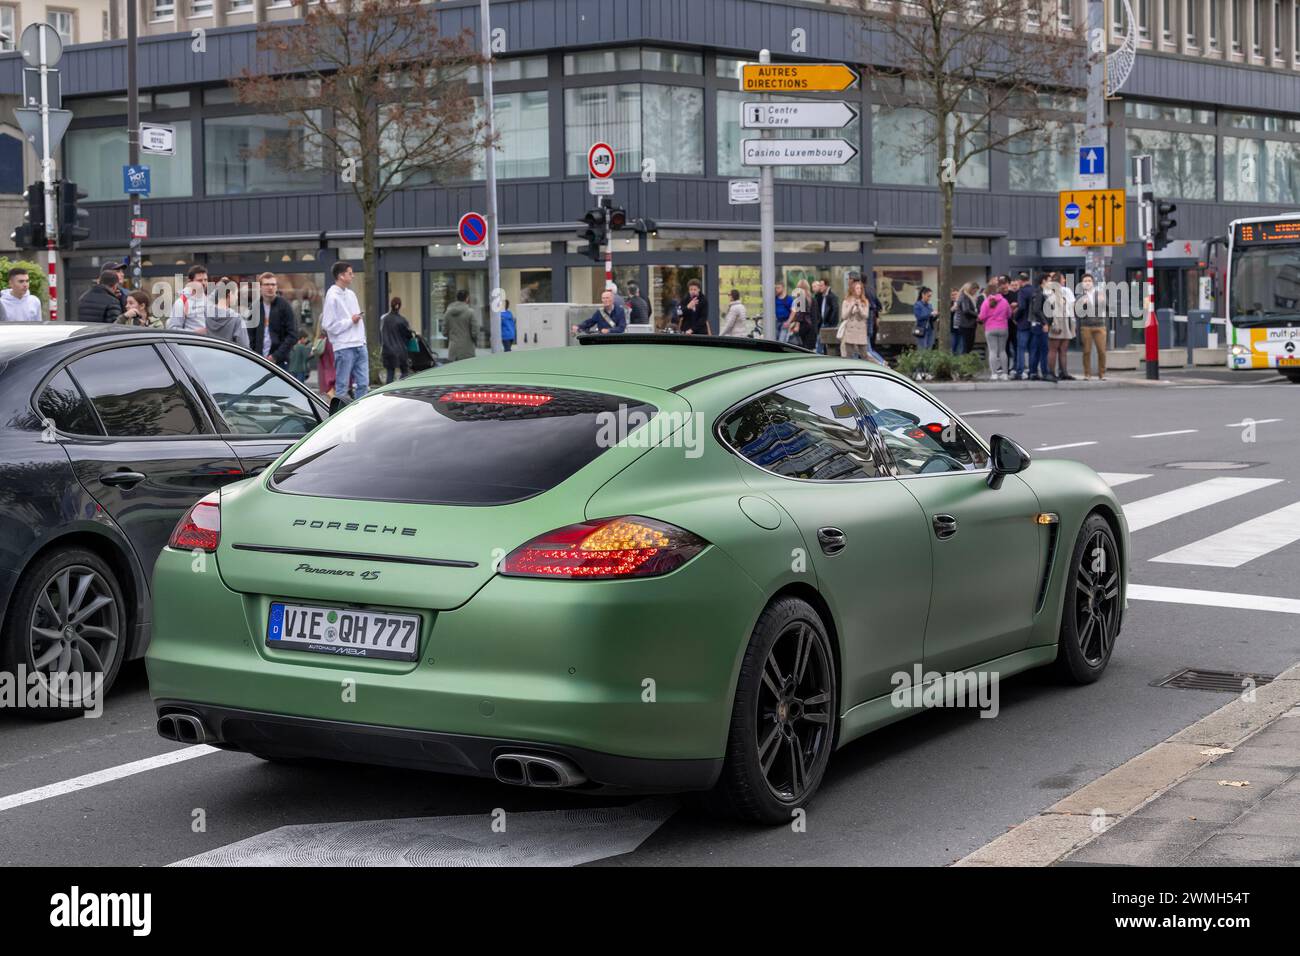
[625, 547]
[480, 397]
[200, 529]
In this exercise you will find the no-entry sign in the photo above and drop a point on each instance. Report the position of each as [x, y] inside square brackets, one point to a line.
[600, 161]
[472, 228]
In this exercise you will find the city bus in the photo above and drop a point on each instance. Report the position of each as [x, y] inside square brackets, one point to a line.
[1262, 305]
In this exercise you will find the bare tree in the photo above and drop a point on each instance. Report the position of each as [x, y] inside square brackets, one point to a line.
[973, 71]
[373, 92]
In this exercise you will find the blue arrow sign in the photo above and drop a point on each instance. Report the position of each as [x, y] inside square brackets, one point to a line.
[135, 179]
[1092, 160]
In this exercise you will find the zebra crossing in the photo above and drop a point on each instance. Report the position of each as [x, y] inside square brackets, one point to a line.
[1231, 547]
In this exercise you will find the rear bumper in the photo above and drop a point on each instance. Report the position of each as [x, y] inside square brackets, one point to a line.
[280, 735]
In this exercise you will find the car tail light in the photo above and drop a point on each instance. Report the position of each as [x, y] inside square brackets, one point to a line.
[624, 547]
[200, 529]
[485, 397]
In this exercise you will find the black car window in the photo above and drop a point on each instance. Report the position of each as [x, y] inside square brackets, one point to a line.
[253, 399]
[62, 403]
[459, 445]
[134, 393]
[805, 430]
[921, 437]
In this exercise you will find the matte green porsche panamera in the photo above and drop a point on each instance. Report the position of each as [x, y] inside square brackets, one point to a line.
[631, 566]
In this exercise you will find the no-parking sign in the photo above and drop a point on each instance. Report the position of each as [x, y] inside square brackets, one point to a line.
[472, 228]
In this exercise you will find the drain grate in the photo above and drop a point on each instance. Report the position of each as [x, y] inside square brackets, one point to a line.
[1210, 465]
[1195, 678]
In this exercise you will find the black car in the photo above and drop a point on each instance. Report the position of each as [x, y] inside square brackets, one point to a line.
[107, 435]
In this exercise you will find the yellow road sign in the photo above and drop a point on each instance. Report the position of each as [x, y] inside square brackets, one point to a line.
[796, 77]
[1092, 217]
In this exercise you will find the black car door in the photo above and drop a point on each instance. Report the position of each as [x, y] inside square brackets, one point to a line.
[156, 451]
[259, 409]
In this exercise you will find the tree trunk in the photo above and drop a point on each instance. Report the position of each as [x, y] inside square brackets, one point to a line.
[941, 295]
[370, 216]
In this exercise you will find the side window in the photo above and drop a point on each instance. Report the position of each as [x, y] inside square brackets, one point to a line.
[134, 393]
[62, 403]
[806, 430]
[922, 438]
[251, 398]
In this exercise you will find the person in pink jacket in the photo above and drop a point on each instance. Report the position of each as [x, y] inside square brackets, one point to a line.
[994, 314]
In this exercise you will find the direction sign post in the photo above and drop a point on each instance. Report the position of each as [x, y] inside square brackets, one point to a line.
[796, 152]
[601, 163]
[42, 48]
[768, 77]
[835, 114]
[1092, 217]
[766, 220]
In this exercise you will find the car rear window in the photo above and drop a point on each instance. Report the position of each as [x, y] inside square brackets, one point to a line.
[458, 444]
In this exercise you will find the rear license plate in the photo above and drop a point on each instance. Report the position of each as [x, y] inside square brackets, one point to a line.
[344, 631]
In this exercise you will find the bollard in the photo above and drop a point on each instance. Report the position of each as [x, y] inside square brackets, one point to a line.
[1198, 331]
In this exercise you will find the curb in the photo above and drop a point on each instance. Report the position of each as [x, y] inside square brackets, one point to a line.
[1069, 823]
[1079, 384]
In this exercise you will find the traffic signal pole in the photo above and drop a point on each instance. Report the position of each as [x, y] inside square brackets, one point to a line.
[133, 136]
[47, 179]
[609, 245]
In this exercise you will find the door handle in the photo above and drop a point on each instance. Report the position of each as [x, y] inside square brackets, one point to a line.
[945, 526]
[122, 479]
[832, 540]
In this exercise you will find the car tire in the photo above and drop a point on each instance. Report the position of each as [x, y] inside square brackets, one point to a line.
[1091, 612]
[783, 720]
[31, 623]
[1292, 376]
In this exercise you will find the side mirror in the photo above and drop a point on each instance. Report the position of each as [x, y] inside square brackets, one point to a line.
[340, 402]
[1008, 459]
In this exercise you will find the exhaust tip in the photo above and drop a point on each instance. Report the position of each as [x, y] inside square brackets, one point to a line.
[167, 727]
[536, 770]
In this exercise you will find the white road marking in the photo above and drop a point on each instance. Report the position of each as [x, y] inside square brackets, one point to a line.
[1171, 504]
[982, 411]
[1048, 404]
[531, 838]
[1117, 478]
[1224, 599]
[1181, 431]
[1245, 542]
[86, 780]
[1246, 422]
[1077, 444]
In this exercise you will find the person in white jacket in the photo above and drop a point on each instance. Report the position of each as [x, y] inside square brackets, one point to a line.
[17, 304]
[342, 322]
[736, 321]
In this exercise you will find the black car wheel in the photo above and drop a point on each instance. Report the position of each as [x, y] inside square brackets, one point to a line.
[66, 628]
[783, 721]
[1090, 619]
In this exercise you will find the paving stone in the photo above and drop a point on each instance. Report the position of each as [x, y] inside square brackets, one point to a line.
[1177, 807]
[1133, 853]
[1142, 829]
[1207, 788]
[1261, 778]
[1245, 850]
[1267, 819]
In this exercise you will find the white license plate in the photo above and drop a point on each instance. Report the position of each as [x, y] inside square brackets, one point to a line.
[344, 631]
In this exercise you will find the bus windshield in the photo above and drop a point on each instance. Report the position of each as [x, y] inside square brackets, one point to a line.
[1265, 285]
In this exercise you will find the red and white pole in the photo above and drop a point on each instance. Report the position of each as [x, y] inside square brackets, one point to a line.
[52, 280]
[1152, 331]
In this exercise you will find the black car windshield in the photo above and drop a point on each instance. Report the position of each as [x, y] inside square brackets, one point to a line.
[459, 445]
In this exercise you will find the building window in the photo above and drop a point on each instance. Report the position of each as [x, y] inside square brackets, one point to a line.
[240, 6]
[1216, 10]
[1238, 20]
[904, 151]
[1143, 18]
[1193, 15]
[8, 28]
[1257, 28]
[730, 134]
[94, 159]
[614, 114]
[1261, 170]
[1044, 160]
[257, 154]
[200, 8]
[1164, 113]
[1182, 163]
[508, 71]
[1065, 11]
[163, 10]
[64, 23]
[628, 59]
[1277, 28]
[1167, 20]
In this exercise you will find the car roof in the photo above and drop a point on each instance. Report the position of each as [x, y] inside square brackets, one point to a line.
[667, 366]
[19, 338]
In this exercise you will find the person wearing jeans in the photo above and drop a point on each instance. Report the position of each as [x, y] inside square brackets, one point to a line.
[1024, 338]
[342, 321]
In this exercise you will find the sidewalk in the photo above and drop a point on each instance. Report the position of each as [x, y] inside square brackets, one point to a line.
[1223, 792]
[1204, 375]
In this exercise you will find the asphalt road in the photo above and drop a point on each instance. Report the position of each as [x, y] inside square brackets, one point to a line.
[925, 791]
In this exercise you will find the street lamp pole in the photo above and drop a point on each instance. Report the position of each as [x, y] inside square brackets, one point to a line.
[133, 132]
[495, 293]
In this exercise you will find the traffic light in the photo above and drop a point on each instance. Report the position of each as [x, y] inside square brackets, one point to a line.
[72, 217]
[617, 218]
[1164, 222]
[31, 234]
[646, 226]
[595, 233]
